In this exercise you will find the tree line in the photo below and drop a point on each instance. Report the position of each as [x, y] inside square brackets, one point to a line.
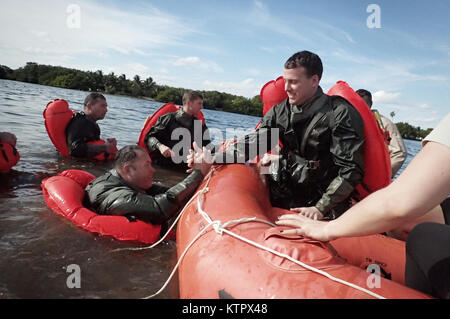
[412, 132]
[119, 84]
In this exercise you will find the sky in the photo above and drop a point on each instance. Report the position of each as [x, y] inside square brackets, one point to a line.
[399, 50]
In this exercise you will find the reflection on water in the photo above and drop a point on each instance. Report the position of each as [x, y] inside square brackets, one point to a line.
[37, 245]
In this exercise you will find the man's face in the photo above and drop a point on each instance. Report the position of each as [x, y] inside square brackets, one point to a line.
[97, 110]
[367, 100]
[298, 86]
[141, 171]
[193, 107]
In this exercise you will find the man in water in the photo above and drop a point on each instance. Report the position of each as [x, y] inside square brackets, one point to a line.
[321, 160]
[83, 128]
[128, 188]
[397, 149]
[10, 138]
[163, 142]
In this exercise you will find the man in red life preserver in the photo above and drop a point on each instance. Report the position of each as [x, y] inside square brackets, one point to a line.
[83, 129]
[172, 151]
[9, 155]
[322, 156]
[128, 189]
[6, 137]
[397, 149]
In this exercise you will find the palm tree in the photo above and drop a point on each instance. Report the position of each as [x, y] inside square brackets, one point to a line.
[392, 115]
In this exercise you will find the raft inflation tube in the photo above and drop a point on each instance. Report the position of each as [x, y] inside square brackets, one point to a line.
[151, 120]
[57, 115]
[377, 163]
[64, 194]
[9, 157]
[236, 251]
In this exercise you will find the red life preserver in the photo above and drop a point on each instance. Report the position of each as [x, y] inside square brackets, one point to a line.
[9, 157]
[57, 115]
[151, 120]
[377, 164]
[64, 194]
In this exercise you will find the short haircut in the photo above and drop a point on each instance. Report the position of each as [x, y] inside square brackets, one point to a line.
[125, 155]
[310, 61]
[191, 96]
[92, 98]
[362, 93]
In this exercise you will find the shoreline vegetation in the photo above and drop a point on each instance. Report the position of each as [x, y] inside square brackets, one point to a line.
[147, 89]
[119, 85]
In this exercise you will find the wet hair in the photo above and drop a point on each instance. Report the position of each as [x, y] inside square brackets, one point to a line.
[125, 155]
[310, 61]
[92, 98]
[191, 96]
[364, 93]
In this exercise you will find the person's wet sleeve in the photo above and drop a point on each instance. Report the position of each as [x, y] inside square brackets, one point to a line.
[156, 133]
[76, 144]
[154, 209]
[397, 149]
[348, 155]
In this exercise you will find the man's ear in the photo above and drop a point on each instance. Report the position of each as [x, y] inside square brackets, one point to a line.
[316, 79]
[87, 108]
[126, 169]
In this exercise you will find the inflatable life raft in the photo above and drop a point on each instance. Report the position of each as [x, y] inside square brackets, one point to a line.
[64, 194]
[377, 163]
[151, 120]
[225, 252]
[9, 157]
[57, 115]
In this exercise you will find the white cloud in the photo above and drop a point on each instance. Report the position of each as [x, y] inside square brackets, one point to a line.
[380, 97]
[247, 87]
[196, 62]
[186, 61]
[40, 28]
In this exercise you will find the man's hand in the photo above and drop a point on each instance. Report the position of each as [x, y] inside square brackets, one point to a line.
[269, 158]
[166, 151]
[200, 159]
[227, 143]
[310, 212]
[112, 141]
[6, 137]
[111, 146]
[304, 226]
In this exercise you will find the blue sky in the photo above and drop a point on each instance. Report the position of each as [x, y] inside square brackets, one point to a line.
[237, 46]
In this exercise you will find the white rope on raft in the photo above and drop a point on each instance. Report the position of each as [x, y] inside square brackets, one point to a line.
[221, 228]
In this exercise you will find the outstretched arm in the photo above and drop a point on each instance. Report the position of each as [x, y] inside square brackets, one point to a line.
[423, 185]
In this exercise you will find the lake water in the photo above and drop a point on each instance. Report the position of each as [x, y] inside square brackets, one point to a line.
[37, 245]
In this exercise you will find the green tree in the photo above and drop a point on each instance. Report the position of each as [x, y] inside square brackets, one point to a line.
[392, 115]
[136, 86]
[170, 95]
[148, 87]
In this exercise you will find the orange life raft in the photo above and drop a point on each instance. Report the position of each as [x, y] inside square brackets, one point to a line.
[64, 194]
[220, 265]
[57, 115]
[377, 163]
[151, 120]
[9, 157]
